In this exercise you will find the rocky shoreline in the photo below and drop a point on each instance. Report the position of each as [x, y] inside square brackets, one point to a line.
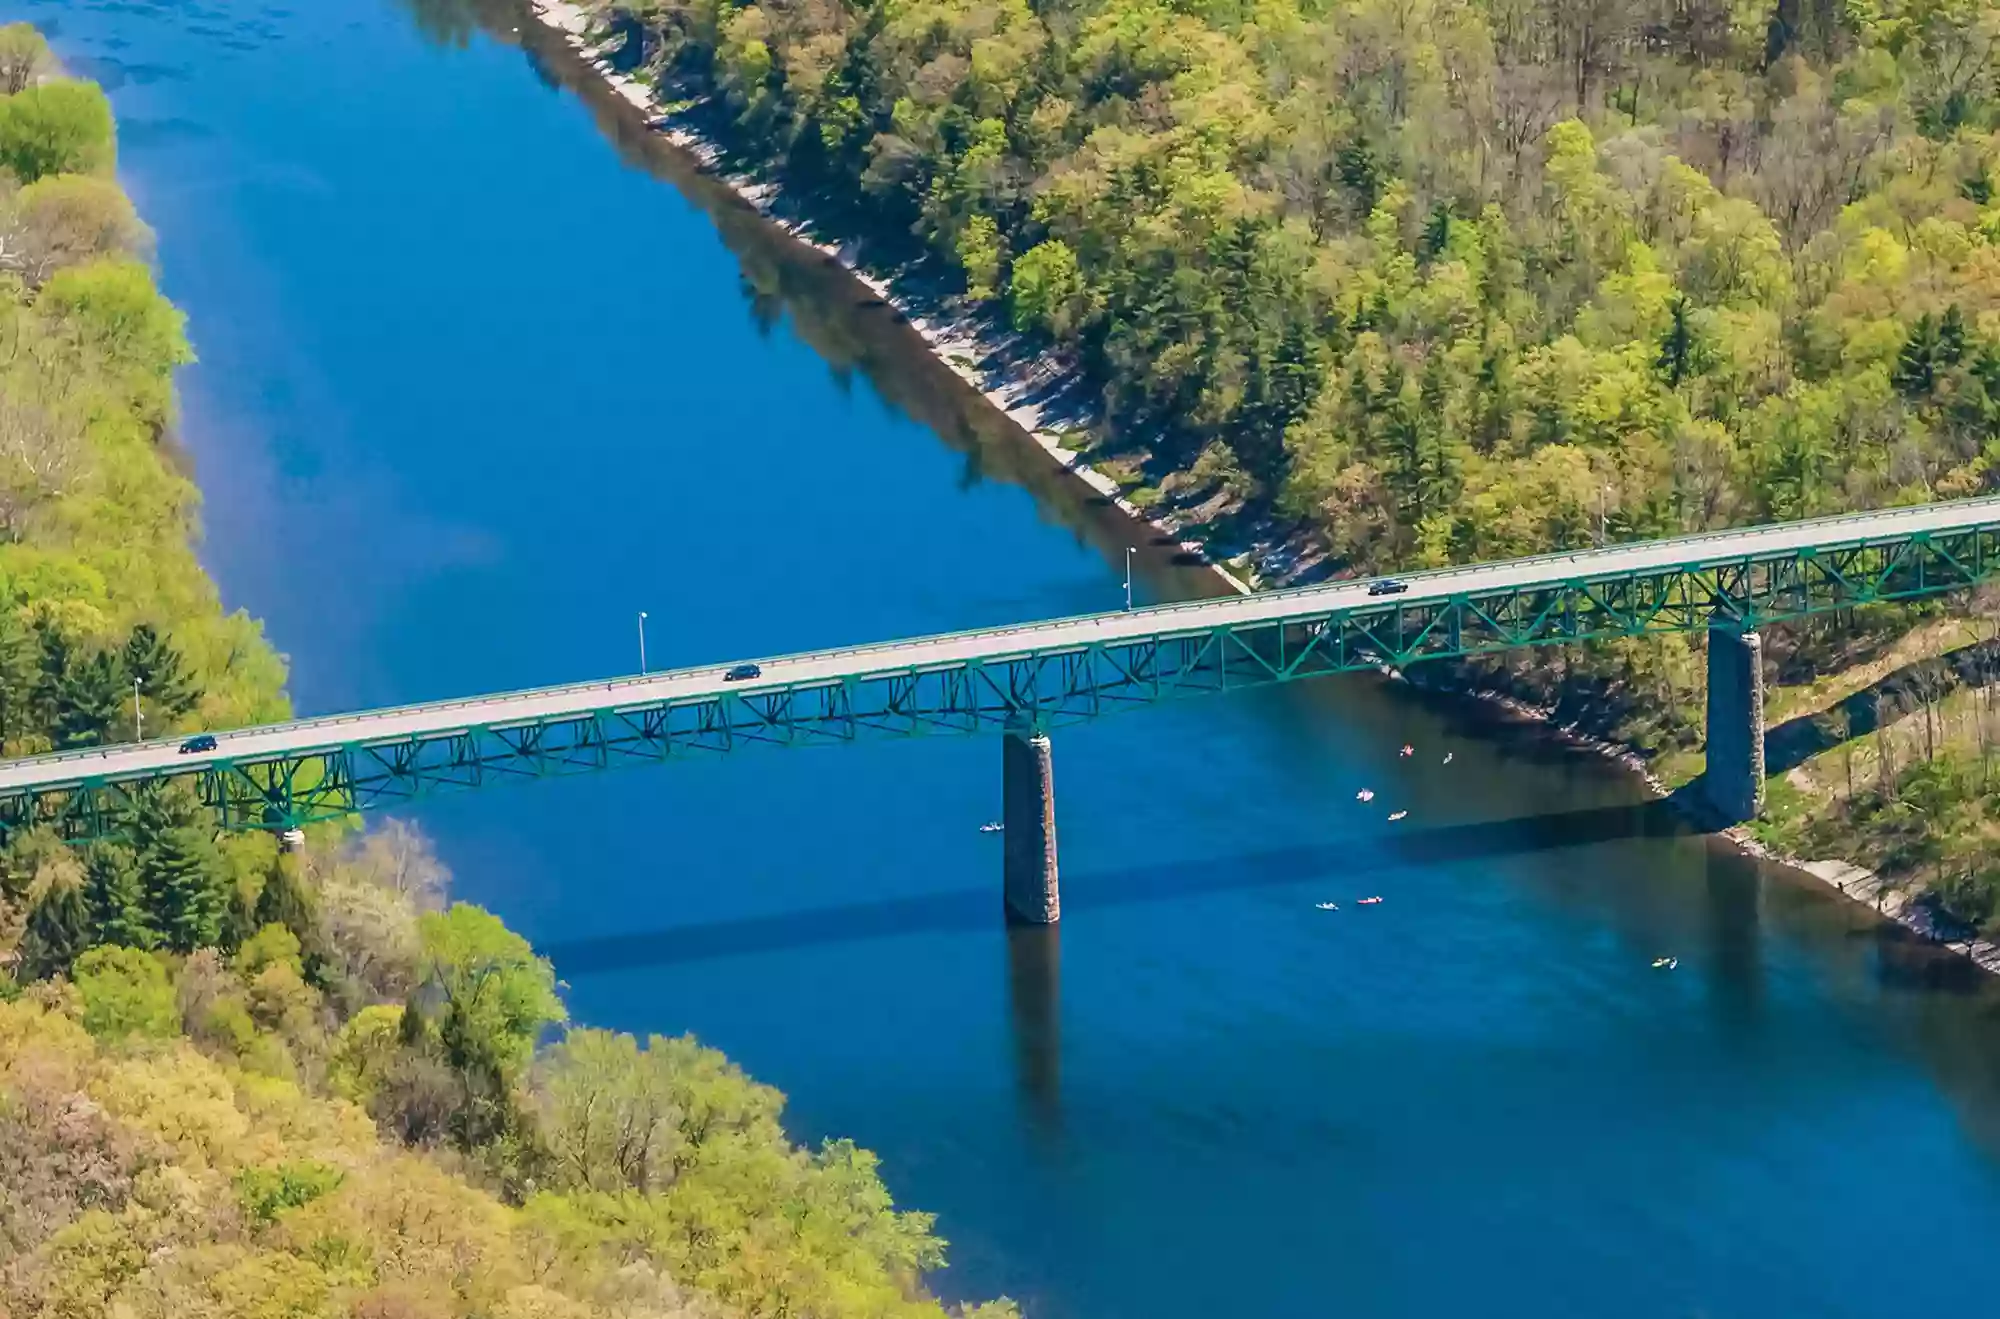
[1020, 389]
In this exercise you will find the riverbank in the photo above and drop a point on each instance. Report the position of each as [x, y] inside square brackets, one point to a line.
[1035, 392]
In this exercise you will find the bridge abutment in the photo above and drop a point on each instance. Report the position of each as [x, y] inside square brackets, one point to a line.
[1028, 809]
[1734, 781]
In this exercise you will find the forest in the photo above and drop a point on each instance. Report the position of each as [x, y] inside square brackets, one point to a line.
[1419, 282]
[240, 1083]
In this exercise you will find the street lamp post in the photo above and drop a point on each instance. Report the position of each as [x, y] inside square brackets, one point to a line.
[138, 716]
[1128, 577]
[642, 643]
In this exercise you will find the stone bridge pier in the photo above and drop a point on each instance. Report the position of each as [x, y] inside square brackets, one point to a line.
[1734, 781]
[1028, 810]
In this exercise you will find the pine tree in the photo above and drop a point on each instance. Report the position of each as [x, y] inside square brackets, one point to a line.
[19, 671]
[1916, 365]
[52, 661]
[88, 700]
[58, 930]
[161, 674]
[184, 873]
[1676, 360]
[1951, 337]
[285, 901]
[117, 895]
[1437, 231]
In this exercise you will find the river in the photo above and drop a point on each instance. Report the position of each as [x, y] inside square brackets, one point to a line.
[484, 375]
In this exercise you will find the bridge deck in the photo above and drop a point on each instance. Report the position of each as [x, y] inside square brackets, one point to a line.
[999, 644]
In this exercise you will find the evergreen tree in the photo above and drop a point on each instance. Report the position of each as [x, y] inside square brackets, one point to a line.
[1676, 359]
[185, 875]
[284, 901]
[117, 894]
[188, 885]
[1951, 337]
[1437, 232]
[52, 661]
[88, 697]
[19, 677]
[58, 930]
[1916, 365]
[1282, 386]
[161, 674]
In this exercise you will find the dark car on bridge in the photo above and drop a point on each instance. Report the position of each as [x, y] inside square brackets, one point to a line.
[743, 673]
[1387, 587]
[199, 742]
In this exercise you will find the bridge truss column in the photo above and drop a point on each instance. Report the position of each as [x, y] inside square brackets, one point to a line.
[1028, 809]
[1734, 780]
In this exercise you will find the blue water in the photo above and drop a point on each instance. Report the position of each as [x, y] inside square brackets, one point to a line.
[482, 378]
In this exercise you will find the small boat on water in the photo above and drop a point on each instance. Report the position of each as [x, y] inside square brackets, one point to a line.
[1366, 794]
[1407, 750]
[991, 827]
[1367, 902]
[1327, 906]
[1448, 755]
[1665, 963]
[1397, 816]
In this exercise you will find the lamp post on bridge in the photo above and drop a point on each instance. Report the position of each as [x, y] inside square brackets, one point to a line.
[642, 643]
[1128, 577]
[138, 716]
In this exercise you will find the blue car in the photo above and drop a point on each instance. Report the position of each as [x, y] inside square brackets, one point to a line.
[743, 673]
[199, 742]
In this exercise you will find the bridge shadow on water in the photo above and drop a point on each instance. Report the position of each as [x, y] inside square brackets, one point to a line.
[979, 908]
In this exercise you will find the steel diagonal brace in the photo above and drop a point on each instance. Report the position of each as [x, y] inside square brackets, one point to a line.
[1618, 616]
[1236, 634]
[1179, 680]
[1008, 700]
[1966, 575]
[1128, 675]
[1316, 636]
[1409, 654]
[1502, 630]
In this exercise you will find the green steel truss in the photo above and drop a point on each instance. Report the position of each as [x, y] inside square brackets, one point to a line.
[1035, 687]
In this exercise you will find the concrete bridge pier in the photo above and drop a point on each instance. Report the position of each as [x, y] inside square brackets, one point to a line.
[1734, 780]
[1028, 809]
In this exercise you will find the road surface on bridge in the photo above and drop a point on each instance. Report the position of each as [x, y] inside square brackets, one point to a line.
[958, 648]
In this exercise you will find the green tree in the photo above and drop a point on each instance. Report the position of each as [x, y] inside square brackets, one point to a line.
[1951, 337]
[496, 995]
[186, 876]
[1917, 363]
[117, 894]
[1047, 289]
[1679, 347]
[285, 900]
[60, 127]
[1437, 232]
[162, 676]
[23, 57]
[89, 698]
[58, 930]
[125, 992]
[19, 679]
